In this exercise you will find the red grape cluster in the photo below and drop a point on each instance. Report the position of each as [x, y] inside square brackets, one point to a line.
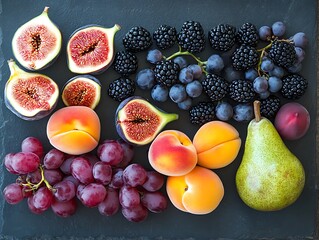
[107, 181]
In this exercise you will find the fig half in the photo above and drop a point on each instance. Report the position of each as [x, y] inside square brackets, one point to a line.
[82, 90]
[138, 121]
[31, 96]
[90, 49]
[37, 43]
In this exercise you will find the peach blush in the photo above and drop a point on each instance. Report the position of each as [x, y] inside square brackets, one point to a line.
[74, 130]
[172, 153]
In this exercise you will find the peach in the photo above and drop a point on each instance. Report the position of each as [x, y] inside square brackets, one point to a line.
[74, 130]
[217, 144]
[172, 153]
[198, 192]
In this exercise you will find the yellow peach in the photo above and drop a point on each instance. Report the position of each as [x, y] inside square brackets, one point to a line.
[172, 153]
[74, 130]
[217, 144]
[198, 192]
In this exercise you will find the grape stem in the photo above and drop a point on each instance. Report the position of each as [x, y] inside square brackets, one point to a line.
[34, 186]
[263, 53]
[180, 52]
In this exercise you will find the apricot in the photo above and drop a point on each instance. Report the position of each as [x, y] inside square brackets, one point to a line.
[74, 130]
[198, 192]
[217, 144]
[172, 153]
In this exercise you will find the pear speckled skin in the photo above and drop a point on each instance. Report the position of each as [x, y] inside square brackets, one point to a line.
[270, 177]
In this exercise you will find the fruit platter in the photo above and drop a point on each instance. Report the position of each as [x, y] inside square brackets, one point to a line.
[158, 120]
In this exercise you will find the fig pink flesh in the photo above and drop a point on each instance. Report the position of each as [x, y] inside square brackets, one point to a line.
[34, 93]
[32, 47]
[89, 46]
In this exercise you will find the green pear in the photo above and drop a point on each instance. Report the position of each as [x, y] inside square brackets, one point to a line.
[270, 177]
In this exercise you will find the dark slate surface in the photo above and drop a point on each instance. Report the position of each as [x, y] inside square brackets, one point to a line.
[232, 219]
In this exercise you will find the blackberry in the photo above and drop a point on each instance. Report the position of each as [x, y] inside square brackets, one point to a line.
[269, 106]
[166, 72]
[125, 62]
[192, 37]
[244, 58]
[215, 87]
[248, 34]
[241, 91]
[293, 86]
[165, 36]
[202, 113]
[121, 89]
[282, 53]
[137, 39]
[222, 37]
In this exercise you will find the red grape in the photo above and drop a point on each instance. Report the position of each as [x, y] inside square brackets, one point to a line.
[134, 175]
[64, 209]
[102, 172]
[66, 165]
[154, 181]
[111, 152]
[91, 157]
[64, 191]
[136, 214]
[34, 177]
[42, 198]
[32, 144]
[129, 197]
[31, 206]
[53, 176]
[26, 191]
[53, 159]
[8, 163]
[81, 169]
[128, 153]
[110, 205]
[92, 194]
[154, 201]
[13, 193]
[79, 190]
[117, 178]
[25, 162]
[72, 179]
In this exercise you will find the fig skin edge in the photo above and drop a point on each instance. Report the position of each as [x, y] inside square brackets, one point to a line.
[50, 58]
[16, 71]
[110, 33]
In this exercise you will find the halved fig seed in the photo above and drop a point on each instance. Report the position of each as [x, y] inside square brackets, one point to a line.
[90, 49]
[138, 121]
[82, 90]
[31, 96]
[37, 43]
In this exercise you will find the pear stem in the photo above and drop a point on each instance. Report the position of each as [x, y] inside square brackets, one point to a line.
[257, 111]
[46, 9]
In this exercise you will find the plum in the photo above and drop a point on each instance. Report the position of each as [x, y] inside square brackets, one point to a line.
[292, 121]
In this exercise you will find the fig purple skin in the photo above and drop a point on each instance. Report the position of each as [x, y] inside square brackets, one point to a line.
[138, 131]
[292, 121]
[38, 116]
[84, 66]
